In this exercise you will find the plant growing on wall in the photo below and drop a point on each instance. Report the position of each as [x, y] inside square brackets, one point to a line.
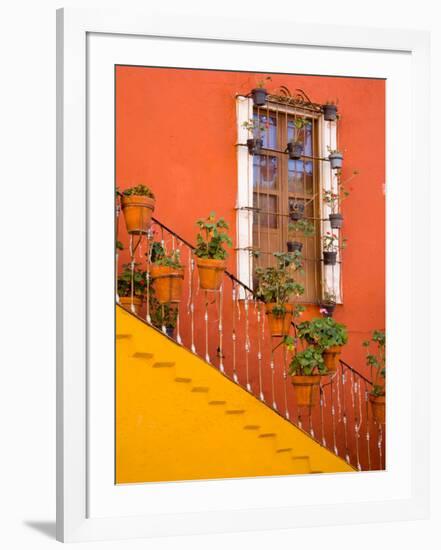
[326, 335]
[306, 367]
[276, 286]
[330, 247]
[334, 199]
[167, 274]
[210, 251]
[376, 360]
[295, 146]
[259, 93]
[255, 129]
[327, 305]
[138, 204]
[302, 227]
[126, 282]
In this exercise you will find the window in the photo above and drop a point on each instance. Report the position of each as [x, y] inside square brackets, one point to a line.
[271, 186]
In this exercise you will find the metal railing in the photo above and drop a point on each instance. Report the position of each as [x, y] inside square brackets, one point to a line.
[227, 329]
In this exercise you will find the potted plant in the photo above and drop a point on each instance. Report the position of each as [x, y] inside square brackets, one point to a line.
[167, 275]
[334, 200]
[327, 335]
[255, 128]
[306, 368]
[127, 295]
[138, 204]
[376, 360]
[335, 157]
[330, 111]
[295, 146]
[163, 315]
[327, 305]
[259, 93]
[296, 211]
[276, 286]
[303, 227]
[210, 251]
[330, 248]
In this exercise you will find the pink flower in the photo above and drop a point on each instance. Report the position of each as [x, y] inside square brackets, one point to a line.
[323, 310]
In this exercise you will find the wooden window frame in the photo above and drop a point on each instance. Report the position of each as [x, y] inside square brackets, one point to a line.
[329, 277]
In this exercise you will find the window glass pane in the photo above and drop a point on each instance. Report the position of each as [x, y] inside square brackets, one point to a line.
[303, 134]
[300, 178]
[269, 134]
[266, 216]
[264, 172]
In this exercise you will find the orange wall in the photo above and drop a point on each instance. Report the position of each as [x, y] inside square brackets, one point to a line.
[176, 132]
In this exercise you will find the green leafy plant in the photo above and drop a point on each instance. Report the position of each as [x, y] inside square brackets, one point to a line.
[138, 190]
[161, 257]
[261, 83]
[331, 242]
[164, 315]
[303, 226]
[323, 333]
[307, 362]
[255, 126]
[119, 245]
[276, 285]
[334, 199]
[212, 238]
[124, 282]
[376, 360]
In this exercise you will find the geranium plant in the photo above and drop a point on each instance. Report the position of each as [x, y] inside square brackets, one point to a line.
[125, 279]
[376, 360]
[307, 362]
[323, 333]
[212, 238]
[141, 190]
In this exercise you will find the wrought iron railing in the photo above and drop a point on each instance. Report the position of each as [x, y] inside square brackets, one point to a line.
[227, 328]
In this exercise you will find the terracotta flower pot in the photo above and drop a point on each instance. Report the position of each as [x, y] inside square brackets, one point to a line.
[138, 210]
[167, 283]
[126, 302]
[295, 150]
[211, 273]
[306, 389]
[279, 325]
[378, 405]
[330, 358]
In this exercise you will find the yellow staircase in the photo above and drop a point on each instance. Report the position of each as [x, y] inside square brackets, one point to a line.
[179, 418]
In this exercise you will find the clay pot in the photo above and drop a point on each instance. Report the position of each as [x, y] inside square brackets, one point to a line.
[329, 309]
[336, 160]
[126, 303]
[336, 221]
[306, 389]
[330, 358]
[254, 145]
[279, 325]
[167, 283]
[295, 150]
[330, 112]
[138, 210]
[329, 258]
[378, 405]
[211, 273]
[294, 246]
[259, 96]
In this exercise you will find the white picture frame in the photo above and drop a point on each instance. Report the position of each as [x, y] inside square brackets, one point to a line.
[76, 520]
